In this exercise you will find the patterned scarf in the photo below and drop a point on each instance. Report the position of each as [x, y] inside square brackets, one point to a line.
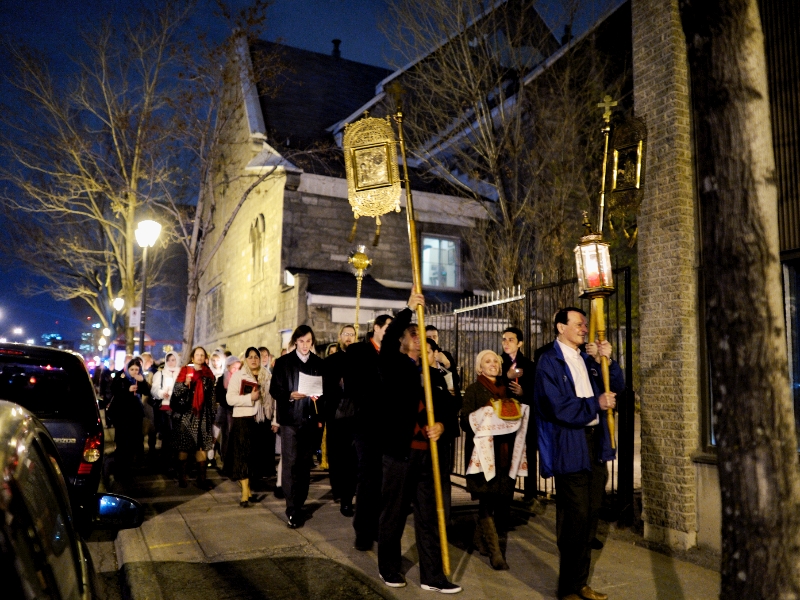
[198, 376]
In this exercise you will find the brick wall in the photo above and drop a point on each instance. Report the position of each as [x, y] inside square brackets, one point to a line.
[668, 280]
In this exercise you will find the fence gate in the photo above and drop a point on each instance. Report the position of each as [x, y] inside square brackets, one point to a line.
[477, 324]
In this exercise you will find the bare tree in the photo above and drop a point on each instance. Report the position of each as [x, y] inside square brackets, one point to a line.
[492, 114]
[82, 156]
[757, 444]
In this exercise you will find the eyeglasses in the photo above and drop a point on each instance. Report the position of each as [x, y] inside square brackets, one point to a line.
[349, 334]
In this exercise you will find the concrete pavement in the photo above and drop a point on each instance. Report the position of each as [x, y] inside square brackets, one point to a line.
[203, 545]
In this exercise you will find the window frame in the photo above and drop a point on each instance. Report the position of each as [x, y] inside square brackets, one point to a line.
[457, 254]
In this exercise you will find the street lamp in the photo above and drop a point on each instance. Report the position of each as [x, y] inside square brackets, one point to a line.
[146, 236]
[118, 304]
[106, 331]
[17, 331]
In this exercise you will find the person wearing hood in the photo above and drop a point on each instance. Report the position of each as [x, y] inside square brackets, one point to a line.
[195, 387]
[127, 415]
[248, 394]
[161, 390]
[224, 419]
[217, 363]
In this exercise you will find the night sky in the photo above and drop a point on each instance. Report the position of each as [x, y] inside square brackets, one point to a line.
[53, 26]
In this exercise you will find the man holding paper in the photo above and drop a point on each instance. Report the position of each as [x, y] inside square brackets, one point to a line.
[297, 389]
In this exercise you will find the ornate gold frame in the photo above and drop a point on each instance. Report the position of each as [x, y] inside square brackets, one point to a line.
[373, 176]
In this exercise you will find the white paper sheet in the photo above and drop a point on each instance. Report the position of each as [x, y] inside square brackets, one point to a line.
[310, 385]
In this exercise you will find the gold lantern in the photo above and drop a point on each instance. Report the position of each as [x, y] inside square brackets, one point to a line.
[593, 263]
[359, 263]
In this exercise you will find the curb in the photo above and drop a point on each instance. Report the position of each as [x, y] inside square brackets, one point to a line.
[138, 578]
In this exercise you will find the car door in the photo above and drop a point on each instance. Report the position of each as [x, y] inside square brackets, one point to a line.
[54, 544]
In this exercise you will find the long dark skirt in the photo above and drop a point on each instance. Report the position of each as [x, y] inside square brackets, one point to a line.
[241, 455]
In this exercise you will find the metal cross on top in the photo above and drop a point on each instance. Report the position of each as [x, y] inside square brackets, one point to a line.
[608, 104]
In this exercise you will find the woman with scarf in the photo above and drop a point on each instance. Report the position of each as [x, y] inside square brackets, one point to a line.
[127, 415]
[161, 391]
[248, 394]
[495, 426]
[194, 388]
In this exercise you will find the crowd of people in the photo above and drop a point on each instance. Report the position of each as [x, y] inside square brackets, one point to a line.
[368, 399]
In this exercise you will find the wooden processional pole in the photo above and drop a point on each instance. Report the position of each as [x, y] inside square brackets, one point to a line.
[426, 374]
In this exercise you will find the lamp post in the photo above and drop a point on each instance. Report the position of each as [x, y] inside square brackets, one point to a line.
[359, 263]
[146, 236]
[595, 281]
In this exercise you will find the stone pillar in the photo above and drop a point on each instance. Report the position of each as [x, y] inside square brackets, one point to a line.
[668, 278]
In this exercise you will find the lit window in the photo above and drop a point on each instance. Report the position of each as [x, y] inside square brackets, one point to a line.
[440, 262]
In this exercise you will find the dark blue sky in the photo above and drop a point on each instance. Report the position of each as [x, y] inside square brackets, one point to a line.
[54, 26]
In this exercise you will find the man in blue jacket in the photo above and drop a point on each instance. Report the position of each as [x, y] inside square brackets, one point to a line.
[574, 443]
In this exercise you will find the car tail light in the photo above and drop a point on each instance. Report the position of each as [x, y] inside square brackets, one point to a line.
[91, 452]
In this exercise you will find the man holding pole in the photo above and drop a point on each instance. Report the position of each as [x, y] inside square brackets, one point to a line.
[574, 443]
[407, 464]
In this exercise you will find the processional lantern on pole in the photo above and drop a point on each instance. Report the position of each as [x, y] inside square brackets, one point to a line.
[373, 181]
[359, 263]
[592, 256]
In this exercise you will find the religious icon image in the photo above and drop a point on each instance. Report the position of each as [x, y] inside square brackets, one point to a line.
[626, 173]
[371, 166]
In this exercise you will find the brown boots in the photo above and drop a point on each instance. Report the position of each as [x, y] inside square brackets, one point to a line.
[477, 540]
[202, 481]
[492, 544]
[182, 479]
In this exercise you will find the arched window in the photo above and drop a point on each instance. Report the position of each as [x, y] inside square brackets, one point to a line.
[257, 248]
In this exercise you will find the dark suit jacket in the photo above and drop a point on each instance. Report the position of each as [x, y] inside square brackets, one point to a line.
[285, 380]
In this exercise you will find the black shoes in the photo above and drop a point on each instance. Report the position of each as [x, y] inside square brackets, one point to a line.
[347, 510]
[294, 522]
[279, 493]
[363, 545]
[244, 504]
[395, 580]
[445, 587]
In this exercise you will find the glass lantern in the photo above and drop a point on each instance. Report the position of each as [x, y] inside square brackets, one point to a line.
[593, 263]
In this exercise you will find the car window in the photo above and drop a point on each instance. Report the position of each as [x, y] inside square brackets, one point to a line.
[47, 388]
[51, 521]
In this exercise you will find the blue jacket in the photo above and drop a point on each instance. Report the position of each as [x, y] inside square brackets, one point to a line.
[562, 416]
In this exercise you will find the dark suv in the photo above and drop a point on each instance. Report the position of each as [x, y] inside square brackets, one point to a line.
[55, 386]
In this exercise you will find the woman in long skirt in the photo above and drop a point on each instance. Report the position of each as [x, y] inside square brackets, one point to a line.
[195, 385]
[253, 407]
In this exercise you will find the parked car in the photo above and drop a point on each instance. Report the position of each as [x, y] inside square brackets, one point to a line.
[55, 386]
[41, 553]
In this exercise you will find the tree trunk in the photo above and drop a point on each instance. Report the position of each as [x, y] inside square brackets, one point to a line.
[757, 443]
[191, 315]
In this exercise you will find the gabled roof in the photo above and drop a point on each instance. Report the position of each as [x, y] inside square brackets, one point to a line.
[314, 91]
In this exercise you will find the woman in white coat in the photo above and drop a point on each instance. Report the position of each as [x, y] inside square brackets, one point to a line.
[248, 394]
[161, 390]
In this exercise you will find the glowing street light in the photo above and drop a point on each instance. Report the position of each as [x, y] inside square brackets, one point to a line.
[17, 331]
[106, 331]
[118, 304]
[29, 341]
[146, 235]
[101, 342]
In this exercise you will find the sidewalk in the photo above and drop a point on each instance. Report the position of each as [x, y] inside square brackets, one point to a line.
[203, 545]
